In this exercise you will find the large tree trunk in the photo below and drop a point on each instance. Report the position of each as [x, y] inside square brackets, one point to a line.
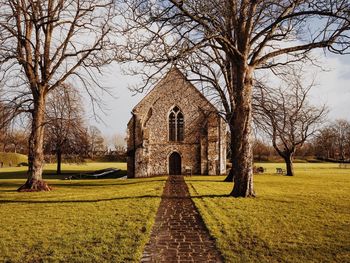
[229, 177]
[241, 137]
[36, 154]
[59, 161]
[242, 157]
[289, 164]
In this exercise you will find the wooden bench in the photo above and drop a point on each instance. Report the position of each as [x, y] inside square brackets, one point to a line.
[188, 170]
[344, 165]
[259, 170]
[280, 171]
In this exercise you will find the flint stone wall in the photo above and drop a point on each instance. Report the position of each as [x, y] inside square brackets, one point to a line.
[204, 146]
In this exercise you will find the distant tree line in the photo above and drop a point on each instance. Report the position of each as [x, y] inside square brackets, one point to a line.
[11, 139]
[330, 143]
[14, 140]
[68, 138]
[333, 142]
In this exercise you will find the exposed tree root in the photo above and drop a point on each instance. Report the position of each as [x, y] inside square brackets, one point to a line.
[234, 194]
[34, 185]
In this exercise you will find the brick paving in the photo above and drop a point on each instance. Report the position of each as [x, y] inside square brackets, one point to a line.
[179, 233]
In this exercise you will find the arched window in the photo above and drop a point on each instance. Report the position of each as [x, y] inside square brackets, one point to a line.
[180, 126]
[172, 126]
[176, 125]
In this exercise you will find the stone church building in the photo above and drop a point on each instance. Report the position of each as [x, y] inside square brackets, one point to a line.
[175, 130]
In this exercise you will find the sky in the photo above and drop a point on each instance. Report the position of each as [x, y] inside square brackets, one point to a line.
[332, 87]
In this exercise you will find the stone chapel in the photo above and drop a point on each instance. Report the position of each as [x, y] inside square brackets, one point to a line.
[175, 130]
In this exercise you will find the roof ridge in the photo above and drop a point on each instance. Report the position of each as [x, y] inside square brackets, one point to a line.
[176, 70]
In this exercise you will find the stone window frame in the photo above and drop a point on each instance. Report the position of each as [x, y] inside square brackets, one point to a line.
[178, 134]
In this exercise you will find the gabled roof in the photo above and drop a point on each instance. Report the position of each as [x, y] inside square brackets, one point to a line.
[173, 73]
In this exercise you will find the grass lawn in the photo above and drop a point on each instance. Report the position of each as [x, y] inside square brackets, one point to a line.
[12, 159]
[305, 218]
[106, 220]
[67, 169]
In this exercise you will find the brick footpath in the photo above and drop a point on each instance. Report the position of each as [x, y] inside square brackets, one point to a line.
[179, 233]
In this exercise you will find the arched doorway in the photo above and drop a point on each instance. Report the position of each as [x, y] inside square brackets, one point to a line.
[175, 164]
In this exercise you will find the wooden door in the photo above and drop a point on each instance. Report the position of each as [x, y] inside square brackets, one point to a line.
[175, 164]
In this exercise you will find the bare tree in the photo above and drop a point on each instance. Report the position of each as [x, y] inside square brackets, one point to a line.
[42, 45]
[341, 130]
[4, 116]
[224, 42]
[96, 141]
[324, 144]
[3, 125]
[18, 139]
[261, 150]
[119, 142]
[333, 141]
[65, 127]
[286, 116]
[11, 137]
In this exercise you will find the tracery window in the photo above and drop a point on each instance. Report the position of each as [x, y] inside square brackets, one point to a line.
[176, 125]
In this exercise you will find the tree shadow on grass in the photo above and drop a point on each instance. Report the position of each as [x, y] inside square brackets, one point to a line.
[108, 199]
[84, 183]
[194, 197]
[121, 182]
[206, 181]
[79, 201]
[13, 175]
[50, 174]
[210, 196]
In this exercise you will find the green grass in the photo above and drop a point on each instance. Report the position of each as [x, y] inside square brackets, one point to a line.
[305, 218]
[67, 169]
[80, 221]
[12, 159]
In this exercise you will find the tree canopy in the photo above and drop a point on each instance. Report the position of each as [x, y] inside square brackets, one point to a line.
[224, 43]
